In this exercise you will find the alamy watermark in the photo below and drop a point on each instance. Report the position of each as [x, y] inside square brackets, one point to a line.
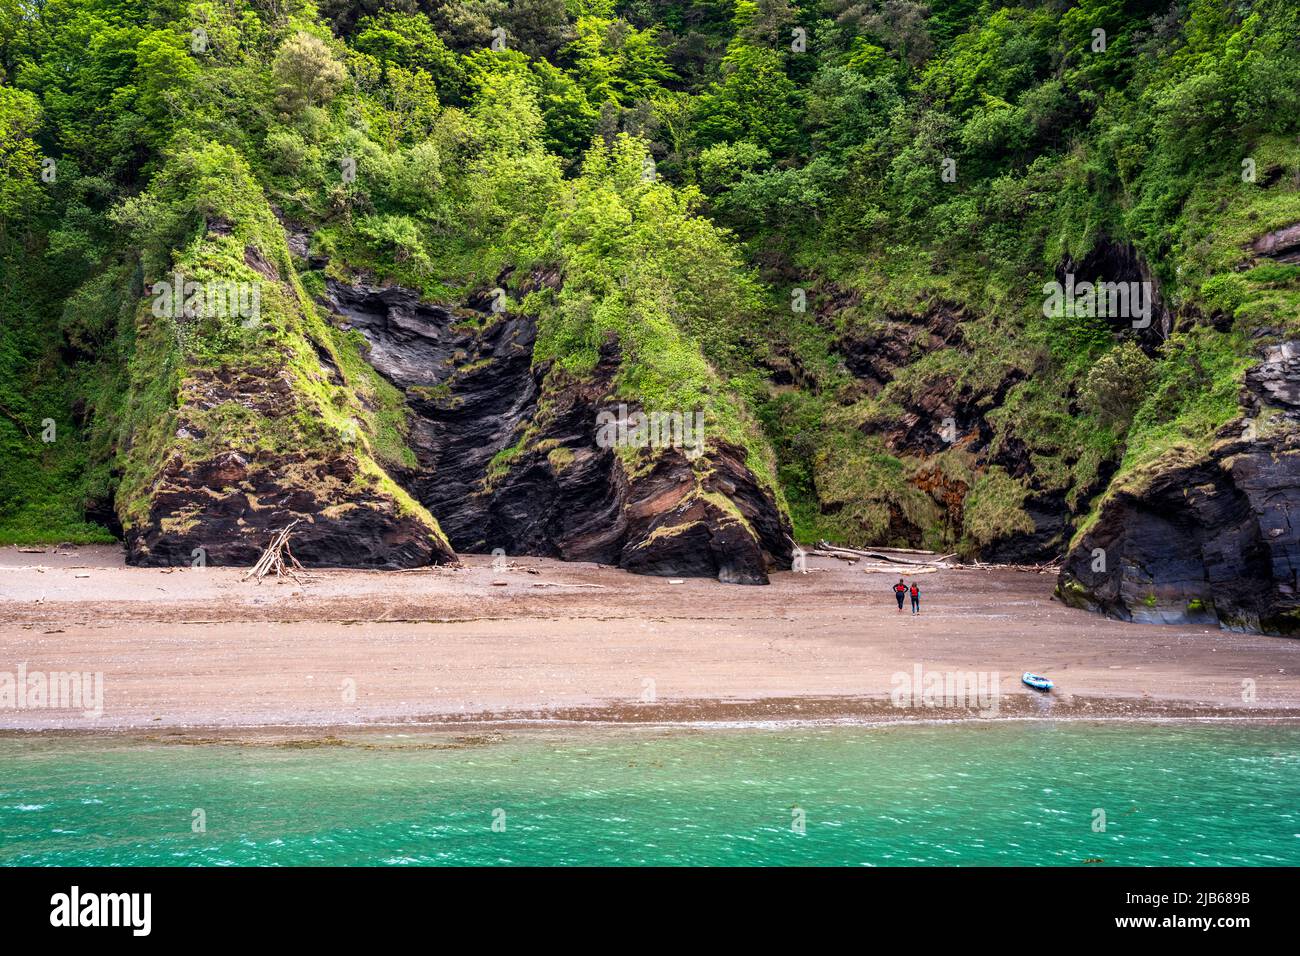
[57, 690]
[684, 430]
[75, 908]
[1115, 300]
[178, 298]
[973, 690]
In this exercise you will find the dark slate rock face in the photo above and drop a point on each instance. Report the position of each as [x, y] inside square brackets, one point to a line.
[1276, 379]
[502, 468]
[1211, 540]
[470, 392]
[224, 507]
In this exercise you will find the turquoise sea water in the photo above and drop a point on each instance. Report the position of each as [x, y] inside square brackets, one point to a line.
[974, 793]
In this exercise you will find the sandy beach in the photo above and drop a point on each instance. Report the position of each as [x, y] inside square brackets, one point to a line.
[193, 650]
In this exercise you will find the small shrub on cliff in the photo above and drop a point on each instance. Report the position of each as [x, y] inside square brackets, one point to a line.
[395, 236]
[306, 74]
[1225, 292]
[1118, 383]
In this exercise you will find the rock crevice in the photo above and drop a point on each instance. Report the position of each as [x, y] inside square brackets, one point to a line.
[508, 456]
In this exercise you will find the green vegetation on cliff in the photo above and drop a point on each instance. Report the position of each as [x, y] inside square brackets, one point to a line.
[826, 223]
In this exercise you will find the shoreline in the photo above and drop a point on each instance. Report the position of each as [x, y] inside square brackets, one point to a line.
[702, 715]
[545, 642]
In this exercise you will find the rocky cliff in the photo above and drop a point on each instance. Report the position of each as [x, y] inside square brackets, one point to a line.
[509, 457]
[929, 440]
[242, 412]
[220, 491]
[396, 431]
[1207, 538]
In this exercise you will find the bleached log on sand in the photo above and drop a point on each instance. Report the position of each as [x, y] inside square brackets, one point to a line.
[886, 554]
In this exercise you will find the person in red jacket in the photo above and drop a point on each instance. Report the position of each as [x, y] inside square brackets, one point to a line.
[916, 599]
[900, 589]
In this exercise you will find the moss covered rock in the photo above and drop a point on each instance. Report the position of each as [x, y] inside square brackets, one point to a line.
[1206, 536]
[243, 412]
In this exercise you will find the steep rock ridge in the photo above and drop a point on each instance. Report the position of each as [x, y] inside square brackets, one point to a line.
[237, 424]
[508, 453]
[652, 511]
[1214, 538]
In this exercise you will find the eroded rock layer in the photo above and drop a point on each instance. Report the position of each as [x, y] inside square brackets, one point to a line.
[942, 415]
[219, 505]
[509, 459]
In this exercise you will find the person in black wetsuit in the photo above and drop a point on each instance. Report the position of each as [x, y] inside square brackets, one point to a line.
[916, 599]
[900, 589]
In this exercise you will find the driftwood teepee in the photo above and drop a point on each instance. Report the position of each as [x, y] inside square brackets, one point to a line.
[278, 557]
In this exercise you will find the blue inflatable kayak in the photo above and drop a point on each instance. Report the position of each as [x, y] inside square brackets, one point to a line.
[1036, 682]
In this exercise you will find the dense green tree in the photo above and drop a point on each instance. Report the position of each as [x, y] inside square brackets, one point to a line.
[615, 61]
[20, 159]
[754, 100]
[409, 41]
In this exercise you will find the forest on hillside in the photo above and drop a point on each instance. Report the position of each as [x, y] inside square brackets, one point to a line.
[831, 227]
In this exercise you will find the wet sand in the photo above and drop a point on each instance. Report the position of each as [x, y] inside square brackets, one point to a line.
[193, 650]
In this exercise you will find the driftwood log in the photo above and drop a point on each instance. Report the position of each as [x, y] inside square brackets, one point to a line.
[888, 555]
[932, 561]
[1045, 567]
